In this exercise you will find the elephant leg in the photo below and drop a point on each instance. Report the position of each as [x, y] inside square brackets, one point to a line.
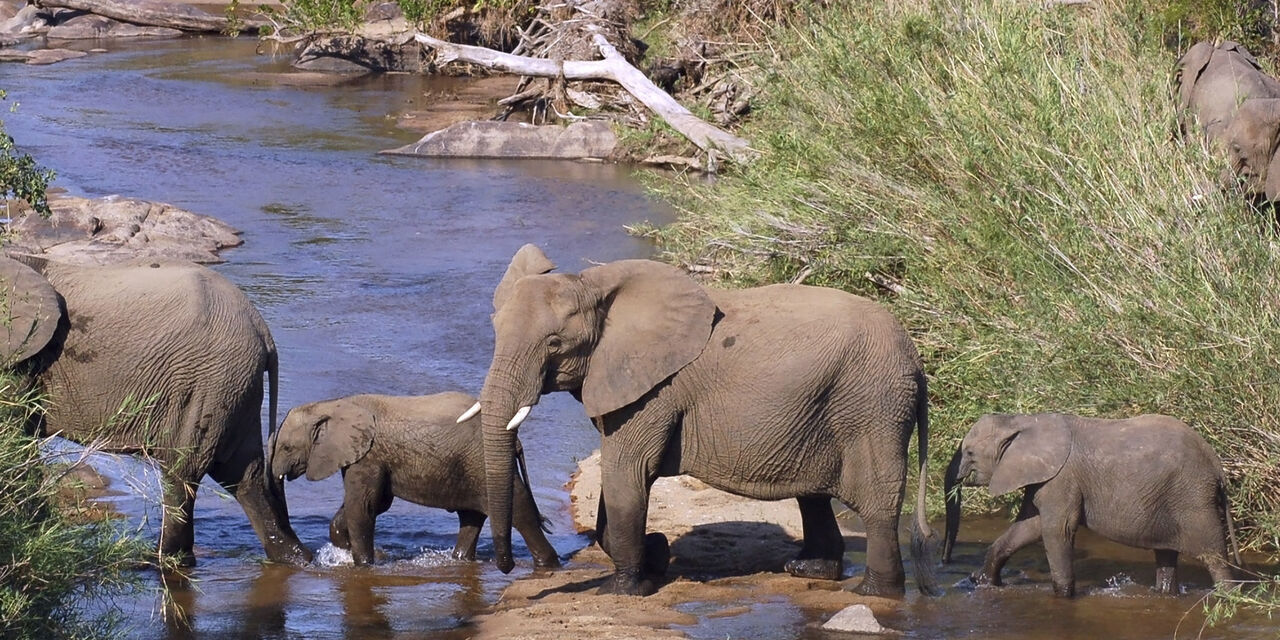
[177, 520]
[657, 552]
[338, 532]
[822, 555]
[528, 522]
[365, 495]
[1167, 571]
[625, 481]
[469, 525]
[1060, 549]
[243, 476]
[1019, 534]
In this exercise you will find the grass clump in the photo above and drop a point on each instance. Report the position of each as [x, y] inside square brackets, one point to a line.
[57, 568]
[1004, 177]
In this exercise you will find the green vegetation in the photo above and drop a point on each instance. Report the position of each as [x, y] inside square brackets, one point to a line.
[57, 568]
[20, 177]
[310, 16]
[1005, 177]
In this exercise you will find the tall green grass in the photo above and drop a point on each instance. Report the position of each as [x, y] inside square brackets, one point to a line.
[58, 570]
[1005, 177]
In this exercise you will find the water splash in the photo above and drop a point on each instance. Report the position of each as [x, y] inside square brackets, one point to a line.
[435, 558]
[331, 556]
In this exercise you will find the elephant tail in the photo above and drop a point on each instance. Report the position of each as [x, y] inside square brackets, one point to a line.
[274, 485]
[543, 522]
[923, 539]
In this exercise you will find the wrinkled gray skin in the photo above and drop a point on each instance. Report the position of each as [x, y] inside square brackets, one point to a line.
[776, 392]
[407, 447]
[1211, 82]
[1252, 139]
[1148, 482]
[159, 357]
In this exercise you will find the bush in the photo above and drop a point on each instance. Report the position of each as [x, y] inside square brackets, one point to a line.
[1004, 177]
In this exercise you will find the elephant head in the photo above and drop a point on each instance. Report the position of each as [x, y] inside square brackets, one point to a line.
[320, 438]
[1004, 453]
[30, 312]
[1252, 139]
[608, 335]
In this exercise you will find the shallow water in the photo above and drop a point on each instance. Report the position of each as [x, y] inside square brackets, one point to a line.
[375, 274]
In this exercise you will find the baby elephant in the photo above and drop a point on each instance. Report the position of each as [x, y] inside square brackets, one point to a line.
[407, 447]
[1211, 82]
[1148, 482]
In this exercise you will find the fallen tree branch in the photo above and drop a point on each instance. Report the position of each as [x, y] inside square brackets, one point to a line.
[614, 68]
[157, 14]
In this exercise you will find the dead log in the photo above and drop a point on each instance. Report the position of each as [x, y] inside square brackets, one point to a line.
[614, 68]
[157, 14]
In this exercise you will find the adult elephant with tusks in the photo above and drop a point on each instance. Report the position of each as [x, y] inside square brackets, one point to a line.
[784, 391]
[159, 357]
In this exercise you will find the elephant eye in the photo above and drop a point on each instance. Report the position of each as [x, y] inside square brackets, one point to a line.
[554, 342]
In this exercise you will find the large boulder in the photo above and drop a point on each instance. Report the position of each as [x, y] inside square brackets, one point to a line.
[88, 26]
[113, 229]
[590, 139]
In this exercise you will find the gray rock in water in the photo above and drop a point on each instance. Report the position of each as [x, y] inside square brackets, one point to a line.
[493, 139]
[113, 229]
[93, 27]
[357, 54]
[855, 619]
[39, 56]
[28, 21]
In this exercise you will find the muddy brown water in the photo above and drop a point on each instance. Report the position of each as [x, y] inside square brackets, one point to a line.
[375, 274]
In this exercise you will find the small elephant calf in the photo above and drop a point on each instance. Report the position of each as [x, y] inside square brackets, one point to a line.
[1148, 482]
[407, 447]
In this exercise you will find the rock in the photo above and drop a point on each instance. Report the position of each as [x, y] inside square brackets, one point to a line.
[113, 229]
[855, 619]
[493, 139]
[88, 26]
[29, 21]
[50, 56]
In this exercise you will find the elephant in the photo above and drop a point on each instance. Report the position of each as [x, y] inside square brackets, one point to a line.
[159, 357]
[784, 391]
[1149, 482]
[404, 447]
[1211, 82]
[1252, 139]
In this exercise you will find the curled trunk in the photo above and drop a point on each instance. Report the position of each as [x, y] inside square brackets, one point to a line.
[951, 489]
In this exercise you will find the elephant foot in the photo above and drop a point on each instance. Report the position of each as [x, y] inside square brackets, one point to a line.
[815, 568]
[468, 555]
[1064, 590]
[296, 555]
[628, 583]
[550, 562]
[657, 555]
[981, 578]
[874, 585]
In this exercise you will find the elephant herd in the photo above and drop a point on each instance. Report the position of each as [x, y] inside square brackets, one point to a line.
[783, 391]
[776, 392]
[1237, 105]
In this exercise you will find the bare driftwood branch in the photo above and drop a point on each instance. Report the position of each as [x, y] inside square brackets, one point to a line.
[157, 14]
[614, 68]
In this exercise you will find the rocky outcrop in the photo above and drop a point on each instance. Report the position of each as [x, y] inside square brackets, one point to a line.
[39, 56]
[384, 42]
[592, 139]
[112, 229]
[87, 26]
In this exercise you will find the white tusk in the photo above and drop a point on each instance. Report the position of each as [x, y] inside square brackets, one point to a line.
[469, 413]
[282, 477]
[519, 417]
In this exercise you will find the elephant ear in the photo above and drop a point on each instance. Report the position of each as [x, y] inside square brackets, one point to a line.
[29, 312]
[656, 321]
[528, 261]
[1033, 453]
[1188, 72]
[341, 436]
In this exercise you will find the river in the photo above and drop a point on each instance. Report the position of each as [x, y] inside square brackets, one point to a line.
[375, 274]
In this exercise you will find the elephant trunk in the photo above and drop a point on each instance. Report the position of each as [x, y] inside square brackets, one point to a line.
[504, 401]
[275, 485]
[951, 492]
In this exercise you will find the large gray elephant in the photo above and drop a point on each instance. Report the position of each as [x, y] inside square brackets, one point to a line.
[1149, 482]
[1252, 139]
[775, 392]
[1211, 82]
[159, 357]
[406, 447]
